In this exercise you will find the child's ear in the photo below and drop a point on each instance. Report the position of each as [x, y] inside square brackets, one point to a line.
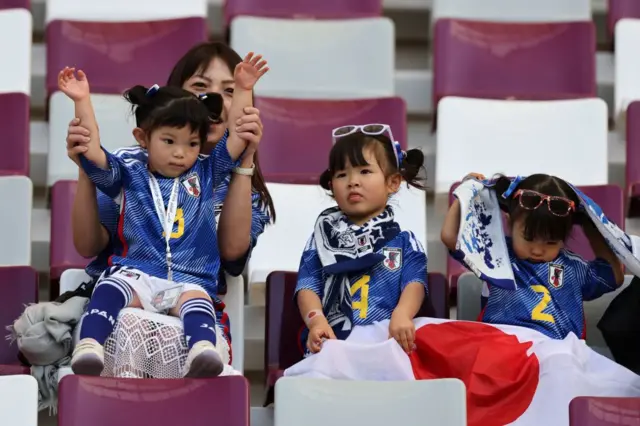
[140, 136]
[393, 183]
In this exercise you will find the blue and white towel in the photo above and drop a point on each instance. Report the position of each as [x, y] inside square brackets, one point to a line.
[481, 244]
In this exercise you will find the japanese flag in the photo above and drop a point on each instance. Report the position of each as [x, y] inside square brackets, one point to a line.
[513, 375]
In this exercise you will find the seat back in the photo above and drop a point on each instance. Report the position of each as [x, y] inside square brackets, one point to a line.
[603, 411]
[15, 245]
[374, 403]
[329, 59]
[534, 61]
[19, 400]
[102, 401]
[19, 288]
[522, 138]
[299, 136]
[626, 85]
[620, 9]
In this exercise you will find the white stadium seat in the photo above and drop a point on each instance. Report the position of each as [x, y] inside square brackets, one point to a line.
[320, 59]
[320, 402]
[522, 138]
[19, 400]
[627, 65]
[513, 10]
[123, 10]
[15, 244]
[15, 43]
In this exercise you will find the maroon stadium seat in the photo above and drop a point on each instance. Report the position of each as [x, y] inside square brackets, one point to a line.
[632, 165]
[299, 132]
[619, 9]
[102, 401]
[283, 323]
[63, 253]
[603, 411]
[119, 55]
[530, 61]
[14, 109]
[18, 287]
[15, 4]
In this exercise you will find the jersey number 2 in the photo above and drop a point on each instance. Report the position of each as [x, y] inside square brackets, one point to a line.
[537, 314]
[363, 304]
[180, 222]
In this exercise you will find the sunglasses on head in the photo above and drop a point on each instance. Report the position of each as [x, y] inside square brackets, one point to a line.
[531, 200]
[368, 129]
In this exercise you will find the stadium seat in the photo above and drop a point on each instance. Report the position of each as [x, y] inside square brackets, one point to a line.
[533, 61]
[114, 118]
[19, 400]
[299, 137]
[15, 245]
[620, 9]
[469, 292]
[15, 4]
[627, 66]
[513, 10]
[298, 206]
[604, 411]
[19, 287]
[283, 323]
[63, 253]
[632, 164]
[305, 9]
[70, 279]
[374, 403]
[609, 197]
[120, 43]
[101, 401]
[329, 59]
[521, 138]
[15, 90]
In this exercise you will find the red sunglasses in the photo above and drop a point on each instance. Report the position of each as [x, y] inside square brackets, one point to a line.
[531, 200]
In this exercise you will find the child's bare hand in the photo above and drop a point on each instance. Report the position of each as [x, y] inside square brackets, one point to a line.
[76, 88]
[319, 331]
[402, 329]
[473, 175]
[249, 71]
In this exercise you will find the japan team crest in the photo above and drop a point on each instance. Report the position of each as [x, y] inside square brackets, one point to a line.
[556, 275]
[392, 258]
[192, 185]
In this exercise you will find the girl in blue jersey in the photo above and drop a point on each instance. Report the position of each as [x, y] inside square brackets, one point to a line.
[170, 258]
[359, 267]
[552, 282]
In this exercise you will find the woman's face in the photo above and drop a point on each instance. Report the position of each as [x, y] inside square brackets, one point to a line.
[217, 77]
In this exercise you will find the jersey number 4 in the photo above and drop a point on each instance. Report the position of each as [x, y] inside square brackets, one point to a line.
[537, 314]
[179, 221]
[363, 304]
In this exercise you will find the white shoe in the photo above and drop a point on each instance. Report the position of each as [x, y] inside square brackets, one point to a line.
[88, 358]
[203, 360]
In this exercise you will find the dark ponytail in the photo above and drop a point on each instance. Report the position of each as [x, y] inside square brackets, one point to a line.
[411, 168]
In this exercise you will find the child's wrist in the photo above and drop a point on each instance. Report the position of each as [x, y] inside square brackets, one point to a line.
[313, 317]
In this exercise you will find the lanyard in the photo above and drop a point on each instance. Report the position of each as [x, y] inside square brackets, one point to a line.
[166, 216]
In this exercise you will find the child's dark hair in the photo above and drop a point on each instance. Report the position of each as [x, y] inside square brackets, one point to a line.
[540, 223]
[173, 107]
[352, 147]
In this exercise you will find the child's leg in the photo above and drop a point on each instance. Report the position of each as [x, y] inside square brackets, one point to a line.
[195, 309]
[110, 296]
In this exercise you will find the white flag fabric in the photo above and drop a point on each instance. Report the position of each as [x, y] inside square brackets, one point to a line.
[514, 375]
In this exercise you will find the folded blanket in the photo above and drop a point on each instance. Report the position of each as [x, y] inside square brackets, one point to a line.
[481, 244]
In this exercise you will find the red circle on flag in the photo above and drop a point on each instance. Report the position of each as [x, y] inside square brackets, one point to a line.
[500, 377]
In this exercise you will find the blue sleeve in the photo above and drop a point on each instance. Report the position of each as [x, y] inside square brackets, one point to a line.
[310, 276]
[260, 218]
[414, 264]
[220, 163]
[599, 279]
[109, 213]
[108, 181]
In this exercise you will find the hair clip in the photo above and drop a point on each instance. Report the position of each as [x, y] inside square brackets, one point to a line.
[400, 153]
[153, 90]
[514, 184]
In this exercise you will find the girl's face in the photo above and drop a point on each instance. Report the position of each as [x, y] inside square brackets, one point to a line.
[362, 192]
[217, 77]
[172, 151]
[536, 251]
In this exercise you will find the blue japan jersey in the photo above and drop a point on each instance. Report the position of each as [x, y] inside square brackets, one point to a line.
[376, 293]
[549, 296]
[193, 242]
